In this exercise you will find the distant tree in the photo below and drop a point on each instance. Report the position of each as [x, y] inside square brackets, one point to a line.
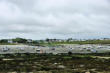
[55, 40]
[47, 40]
[68, 40]
[41, 41]
[4, 41]
[35, 42]
[20, 40]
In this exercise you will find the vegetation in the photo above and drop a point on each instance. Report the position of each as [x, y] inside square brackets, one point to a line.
[19, 40]
[48, 63]
[85, 42]
[54, 41]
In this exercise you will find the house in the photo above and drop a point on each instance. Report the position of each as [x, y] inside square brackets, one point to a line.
[10, 41]
[29, 40]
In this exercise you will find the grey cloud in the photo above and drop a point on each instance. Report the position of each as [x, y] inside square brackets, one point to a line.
[58, 18]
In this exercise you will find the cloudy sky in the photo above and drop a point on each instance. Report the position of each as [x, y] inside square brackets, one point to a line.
[40, 19]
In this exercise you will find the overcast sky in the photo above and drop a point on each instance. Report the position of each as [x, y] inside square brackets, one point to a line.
[40, 19]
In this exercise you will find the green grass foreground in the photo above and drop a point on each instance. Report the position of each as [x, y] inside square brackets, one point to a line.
[48, 63]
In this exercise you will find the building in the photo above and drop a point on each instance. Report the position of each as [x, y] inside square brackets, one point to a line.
[29, 40]
[10, 41]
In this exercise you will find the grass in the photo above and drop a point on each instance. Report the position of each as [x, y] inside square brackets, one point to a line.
[67, 42]
[48, 63]
[8, 44]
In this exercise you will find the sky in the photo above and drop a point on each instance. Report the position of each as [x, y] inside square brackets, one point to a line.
[40, 19]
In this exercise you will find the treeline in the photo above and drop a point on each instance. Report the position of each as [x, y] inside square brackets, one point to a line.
[17, 41]
[52, 41]
[85, 42]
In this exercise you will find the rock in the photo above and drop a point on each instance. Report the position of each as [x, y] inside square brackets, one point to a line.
[61, 66]
[12, 72]
[81, 65]
[55, 63]
[87, 72]
[93, 69]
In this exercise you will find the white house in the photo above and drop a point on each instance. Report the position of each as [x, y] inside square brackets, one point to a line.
[10, 41]
[29, 40]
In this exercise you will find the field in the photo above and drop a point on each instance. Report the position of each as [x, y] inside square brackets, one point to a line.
[78, 42]
[48, 63]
